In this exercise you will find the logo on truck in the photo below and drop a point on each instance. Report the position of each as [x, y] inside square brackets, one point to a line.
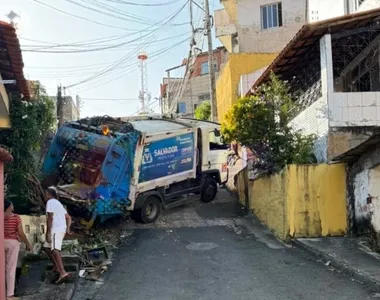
[147, 157]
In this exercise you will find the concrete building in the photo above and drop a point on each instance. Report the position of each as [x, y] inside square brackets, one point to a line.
[70, 108]
[197, 88]
[339, 94]
[262, 28]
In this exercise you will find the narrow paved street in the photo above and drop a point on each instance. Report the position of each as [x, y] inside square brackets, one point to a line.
[211, 251]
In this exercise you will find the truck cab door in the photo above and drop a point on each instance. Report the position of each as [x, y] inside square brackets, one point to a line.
[217, 153]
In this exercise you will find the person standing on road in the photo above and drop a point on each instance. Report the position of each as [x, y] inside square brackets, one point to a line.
[58, 224]
[13, 232]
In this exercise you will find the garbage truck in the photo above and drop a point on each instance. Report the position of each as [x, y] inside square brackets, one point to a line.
[139, 165]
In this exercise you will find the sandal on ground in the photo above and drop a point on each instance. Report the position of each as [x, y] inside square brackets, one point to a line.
[62, 279]
[13, 298]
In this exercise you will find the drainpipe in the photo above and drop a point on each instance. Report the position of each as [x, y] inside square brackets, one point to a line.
[5, 156]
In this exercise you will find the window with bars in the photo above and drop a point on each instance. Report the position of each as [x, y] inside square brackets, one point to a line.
[271, 16]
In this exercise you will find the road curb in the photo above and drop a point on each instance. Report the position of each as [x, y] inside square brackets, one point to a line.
[340, 265]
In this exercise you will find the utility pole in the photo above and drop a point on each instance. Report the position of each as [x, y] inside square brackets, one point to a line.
[211, 71]
[168, 91]
[60, 106]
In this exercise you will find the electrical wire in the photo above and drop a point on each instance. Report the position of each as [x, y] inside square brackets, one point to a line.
[80, 17]
[105, 47]
[120, 44]
[143, 4]
[110, 68]
[112, 12]
[113, 66]
[154, 58]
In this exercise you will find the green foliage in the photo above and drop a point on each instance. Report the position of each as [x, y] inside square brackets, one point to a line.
[31, 122]
[261, 122]
[203, 111]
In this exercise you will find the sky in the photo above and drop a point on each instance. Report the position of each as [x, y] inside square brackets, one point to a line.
[106, 37]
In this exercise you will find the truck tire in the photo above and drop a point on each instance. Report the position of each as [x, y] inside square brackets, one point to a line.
[209, 190]
[149, 212]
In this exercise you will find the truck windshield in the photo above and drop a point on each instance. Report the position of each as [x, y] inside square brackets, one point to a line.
[216, 140]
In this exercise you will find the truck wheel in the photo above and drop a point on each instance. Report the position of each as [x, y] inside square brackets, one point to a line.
[210, 187]
[149, 212]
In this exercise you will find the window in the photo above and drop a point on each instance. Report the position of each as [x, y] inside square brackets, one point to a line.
[181, 107]
[216, 140]
[204, 68]
[203, 97]
[271, 16]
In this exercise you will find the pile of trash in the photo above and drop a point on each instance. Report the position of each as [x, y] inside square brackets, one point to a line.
[93, 251]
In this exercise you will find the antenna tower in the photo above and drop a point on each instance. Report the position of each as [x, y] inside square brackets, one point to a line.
[144, 95]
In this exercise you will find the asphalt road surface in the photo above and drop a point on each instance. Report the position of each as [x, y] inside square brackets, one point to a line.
[212, 251]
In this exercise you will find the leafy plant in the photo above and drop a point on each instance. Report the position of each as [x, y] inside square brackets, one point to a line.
[203, 111]
[31, 122]
[261, 122]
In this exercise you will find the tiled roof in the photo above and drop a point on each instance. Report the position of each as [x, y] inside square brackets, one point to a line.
[310, 34]
[11, 64]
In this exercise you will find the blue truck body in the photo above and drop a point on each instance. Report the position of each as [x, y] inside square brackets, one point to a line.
[102, 167]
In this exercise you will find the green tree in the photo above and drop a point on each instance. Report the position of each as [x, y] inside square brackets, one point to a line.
[31, 122]
[261, 122]
[203, 111]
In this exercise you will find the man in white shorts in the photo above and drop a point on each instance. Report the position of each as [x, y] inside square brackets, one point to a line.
[58, 224]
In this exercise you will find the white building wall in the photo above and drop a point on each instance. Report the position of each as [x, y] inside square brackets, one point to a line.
[253, 39]
[325, 9]
[247, 81]
[354, 109]
[314, 120]
[295, 13]
[361, 188]
[369, 4]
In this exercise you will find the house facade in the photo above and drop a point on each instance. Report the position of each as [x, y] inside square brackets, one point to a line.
[197, 88]
[264, 27]
[338, 91]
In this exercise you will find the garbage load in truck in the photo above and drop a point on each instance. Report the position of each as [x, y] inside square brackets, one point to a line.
[138, 165]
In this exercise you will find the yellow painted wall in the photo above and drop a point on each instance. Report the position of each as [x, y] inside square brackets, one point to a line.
[226, 40]
[317, 200]
[230, 6]
[301, 201]
[267, 200]
[227, 85]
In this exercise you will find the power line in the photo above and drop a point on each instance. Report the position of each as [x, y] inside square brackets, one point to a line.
[104, 47]
[154, 57]
[143, 4]
[80, 17]
[106, 70]
[112, 12]
[113, 66]
[109, 99]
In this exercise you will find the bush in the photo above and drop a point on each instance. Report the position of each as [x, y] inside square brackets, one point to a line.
[261, 122]
[203, 111]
